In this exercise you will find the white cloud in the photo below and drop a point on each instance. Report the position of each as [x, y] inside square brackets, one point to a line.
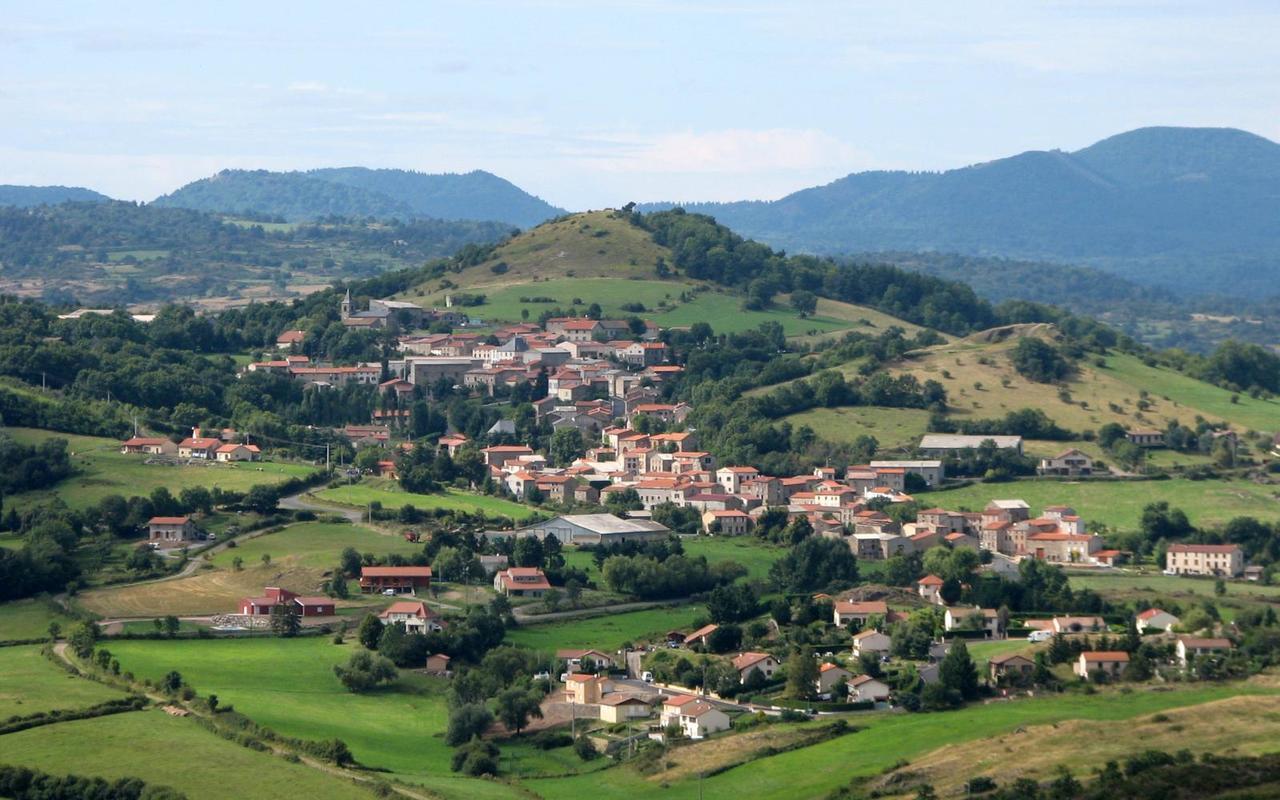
[732, 151]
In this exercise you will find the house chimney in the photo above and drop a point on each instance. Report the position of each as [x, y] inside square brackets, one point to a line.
[195, 432]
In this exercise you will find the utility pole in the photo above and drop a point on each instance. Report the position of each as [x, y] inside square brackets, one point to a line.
[43, 386]
[326, 456]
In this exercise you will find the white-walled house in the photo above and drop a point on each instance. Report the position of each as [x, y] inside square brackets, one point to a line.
[1155, 619]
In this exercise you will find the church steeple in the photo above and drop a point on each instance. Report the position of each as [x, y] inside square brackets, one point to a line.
[346, 304]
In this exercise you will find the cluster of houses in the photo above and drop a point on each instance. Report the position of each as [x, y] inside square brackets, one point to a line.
[583, 360]
[1006, 528]
[225, 447]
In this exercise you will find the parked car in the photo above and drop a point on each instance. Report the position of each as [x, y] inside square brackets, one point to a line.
[389, 592]
[646, 676]
[1040, 636]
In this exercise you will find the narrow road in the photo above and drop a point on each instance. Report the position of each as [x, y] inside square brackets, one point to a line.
[302, 501]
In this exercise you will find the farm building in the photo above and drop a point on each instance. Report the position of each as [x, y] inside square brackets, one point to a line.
[274, 596]
[401, 580]
[171, 529]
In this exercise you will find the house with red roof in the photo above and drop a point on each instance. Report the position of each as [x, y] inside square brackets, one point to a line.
[171, 530]
[749, 662]
[829, 676]
[930, 587]
[1219, 560]
[521, 582]
[274, 596]
[1111, 663]
[199, 446]
[414, 615]
[238, 452]
[148, 445]
[1156, 619]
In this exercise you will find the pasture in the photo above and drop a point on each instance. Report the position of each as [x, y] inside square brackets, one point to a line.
[391, 496]
[1119, 504]
[29, 619]
[289, 686]
[895, 429]
[300, 555]
[29, 683]
[607, 632]
[1175, 591]
[145, 744]
[886, 739]
[102, 470]
[981, 383]
[314, 544]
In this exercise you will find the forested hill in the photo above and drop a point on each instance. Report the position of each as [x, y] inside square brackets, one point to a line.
[1190, 209]
[360, 192]
[121, 253]
[27, 196]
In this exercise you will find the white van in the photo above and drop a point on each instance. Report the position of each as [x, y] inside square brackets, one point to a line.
[1040, 636]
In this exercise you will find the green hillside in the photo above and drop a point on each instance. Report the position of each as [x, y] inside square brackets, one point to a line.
[600, 257]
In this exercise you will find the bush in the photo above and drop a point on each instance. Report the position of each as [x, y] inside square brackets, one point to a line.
[585, 749]
[475, 758]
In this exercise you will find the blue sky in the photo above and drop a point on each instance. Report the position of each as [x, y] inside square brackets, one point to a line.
[590, 104]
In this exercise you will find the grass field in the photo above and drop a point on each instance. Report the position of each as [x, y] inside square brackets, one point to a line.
[169, 751]
[29, 619]
[300, 554]
[1119, 504]
[888, 738]
[103, 470]
[32, 683]
[392, 497]
[982, 383]
[896, 429]
[314, 544]
[1240, 725]
[289, 686]
[609, 632]
[748, 551]
[1173, 590]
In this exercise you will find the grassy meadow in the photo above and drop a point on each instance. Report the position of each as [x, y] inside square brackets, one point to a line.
[29, 619]
[314, 544]
[145, 744]
[607, 632]
[1119, 504]
[30, 683]
[391, 496]
[887, 738]
[289, 686]
[300, 555]
[102, 470]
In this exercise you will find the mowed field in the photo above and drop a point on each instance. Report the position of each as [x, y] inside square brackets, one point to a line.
[1176, 592]
[889, 738]
[300, 555]
[314, 544]
[608, 632]
[29, 619]
[103, 470]
[29, 683]
[289, 686]
[1119, 504]
[170, 751]
[391, 496]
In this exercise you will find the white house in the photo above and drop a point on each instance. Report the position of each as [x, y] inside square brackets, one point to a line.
[1155, 619]
[1190, 647]
[865, 687]
[763, 663]
[413, 615]
[699, 719]
[617, 707]
[930, 588]
[871, 642]
[829, 675]
[955, 618]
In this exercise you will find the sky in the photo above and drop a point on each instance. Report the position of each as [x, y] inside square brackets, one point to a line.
[595, 103]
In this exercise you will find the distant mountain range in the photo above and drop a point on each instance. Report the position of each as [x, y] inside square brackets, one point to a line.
[361, 192]
[1190, 209]
[27, 196]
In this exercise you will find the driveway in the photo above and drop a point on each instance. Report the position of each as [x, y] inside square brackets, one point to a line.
[305, 502]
